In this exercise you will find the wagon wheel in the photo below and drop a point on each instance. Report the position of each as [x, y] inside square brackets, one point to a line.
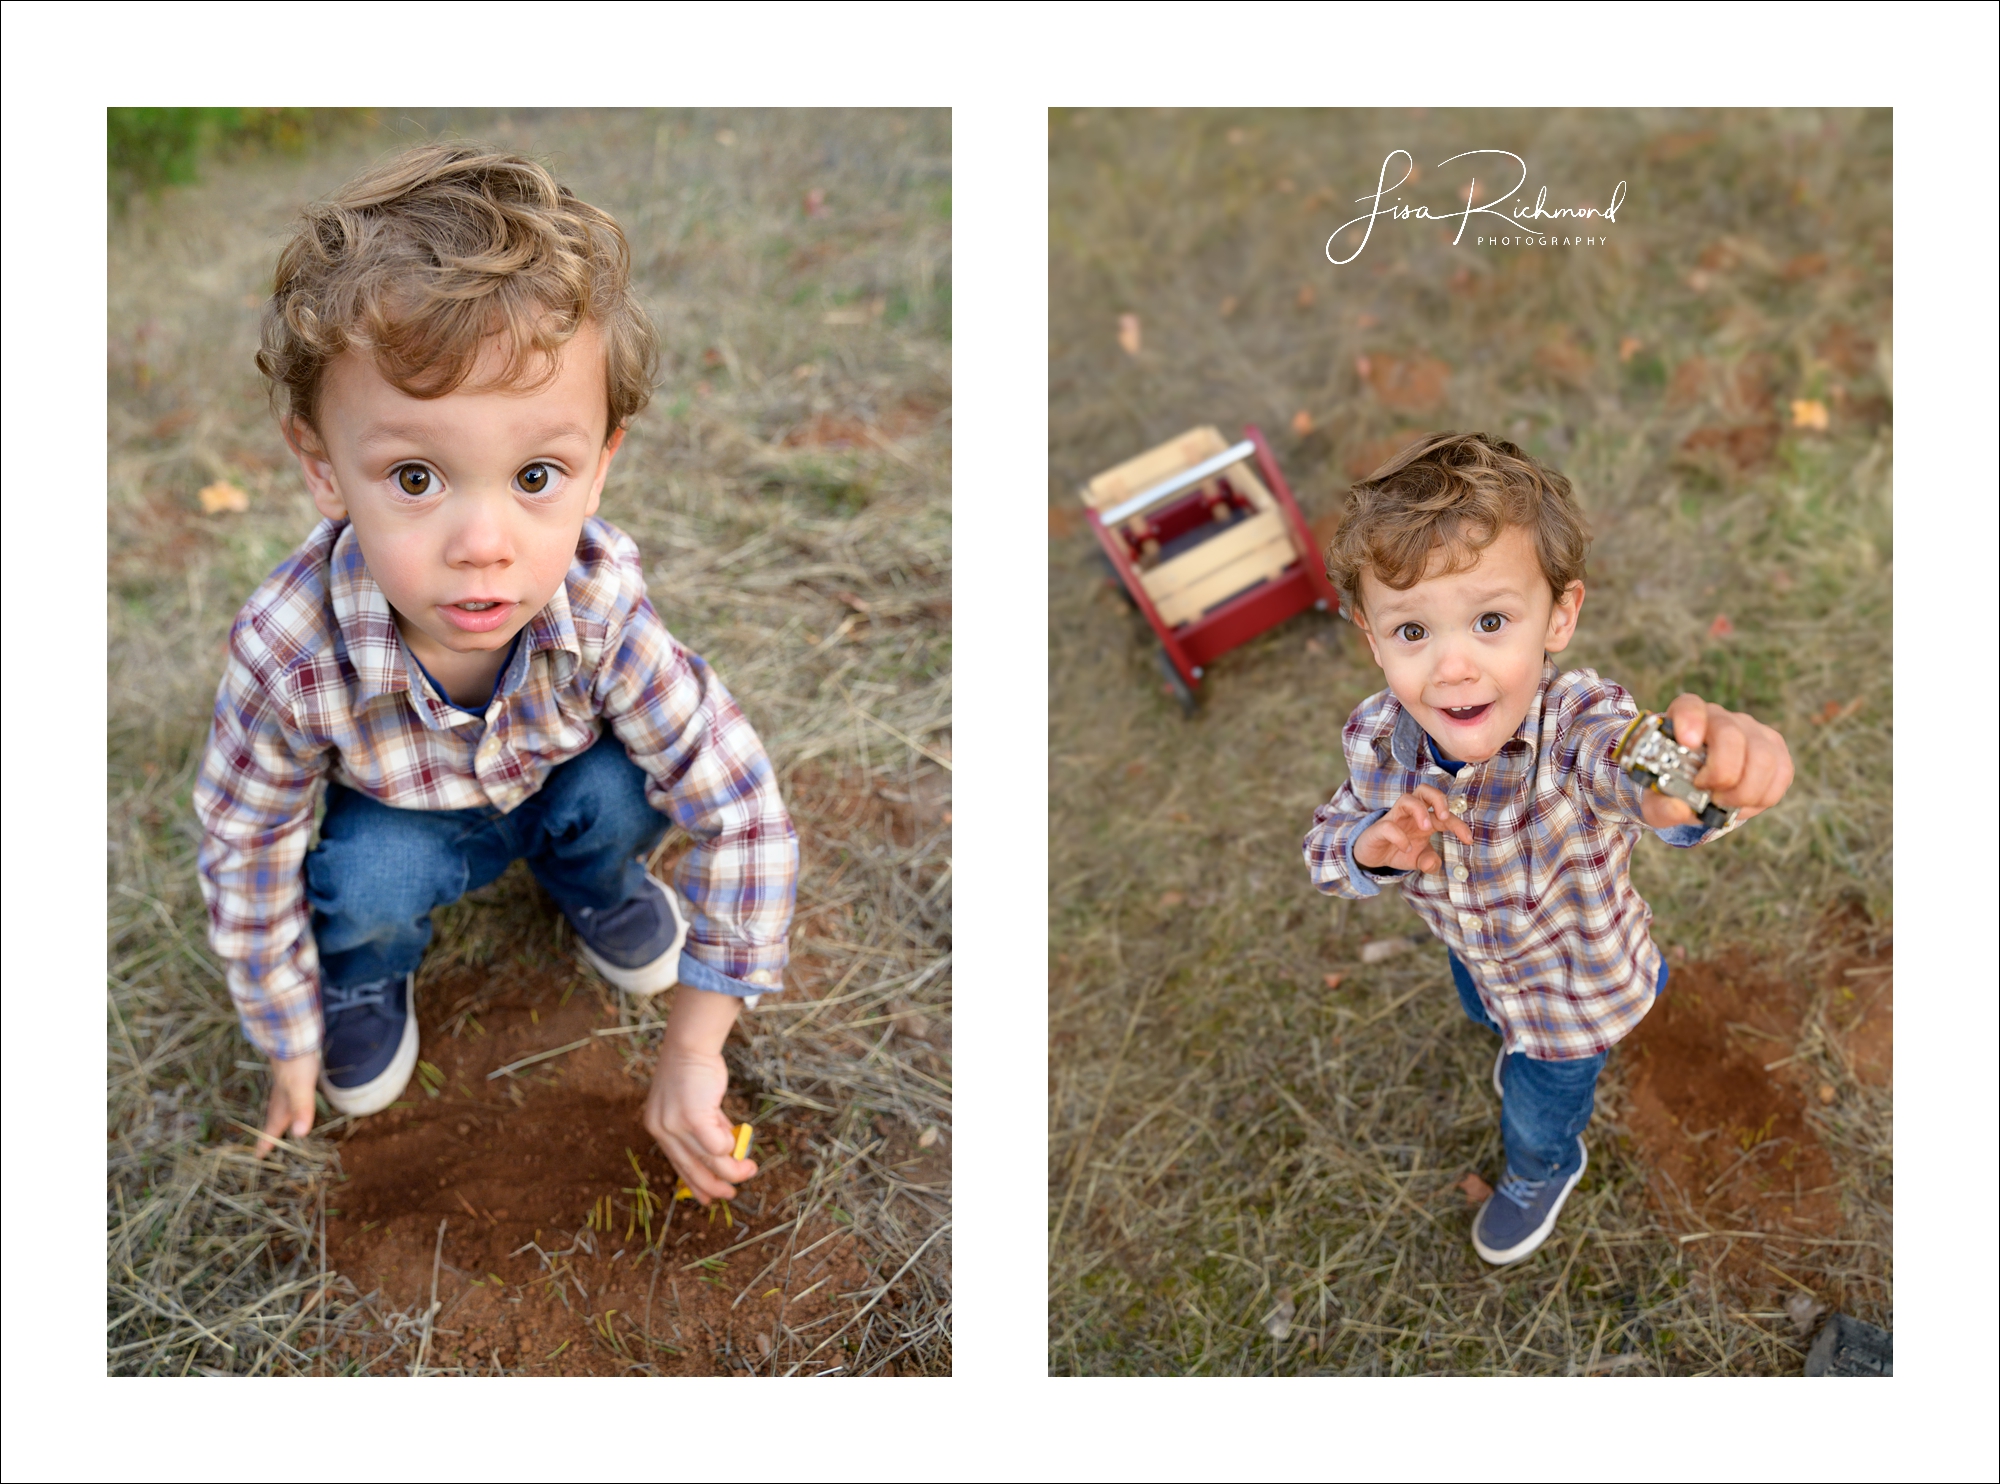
[1182, 691]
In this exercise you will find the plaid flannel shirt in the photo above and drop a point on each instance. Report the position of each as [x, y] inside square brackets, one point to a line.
[1540, 907]
[319, 684]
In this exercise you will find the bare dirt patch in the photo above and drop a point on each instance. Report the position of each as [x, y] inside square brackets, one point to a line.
[546, 1266]
[1730, 1086]
[1724, 1129]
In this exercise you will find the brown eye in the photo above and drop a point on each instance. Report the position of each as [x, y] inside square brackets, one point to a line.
[535, 478]
[413, 479]
[1491, 623]
[1410, 633]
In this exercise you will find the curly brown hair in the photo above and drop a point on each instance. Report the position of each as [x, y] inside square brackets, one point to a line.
[419, 261]
[1450, 495]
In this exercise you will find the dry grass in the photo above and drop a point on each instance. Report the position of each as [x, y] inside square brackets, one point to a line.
[790, 489]
[1230, 1140]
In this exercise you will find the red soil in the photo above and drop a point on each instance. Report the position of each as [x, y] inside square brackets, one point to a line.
[521, 1160]
[1717, 1105]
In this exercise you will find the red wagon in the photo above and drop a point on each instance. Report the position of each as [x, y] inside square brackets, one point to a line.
[1208, 544]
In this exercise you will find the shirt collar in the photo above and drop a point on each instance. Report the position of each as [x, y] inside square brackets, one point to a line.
[1406, 738]
[368, 625]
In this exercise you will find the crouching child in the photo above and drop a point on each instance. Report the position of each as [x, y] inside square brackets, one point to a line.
[461, 664]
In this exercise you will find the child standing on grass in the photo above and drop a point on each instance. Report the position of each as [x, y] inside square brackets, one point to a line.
[1482, 782]
[463, 660]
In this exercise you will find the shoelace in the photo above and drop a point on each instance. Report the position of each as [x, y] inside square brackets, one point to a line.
[1520, 1191]
[335, 1000]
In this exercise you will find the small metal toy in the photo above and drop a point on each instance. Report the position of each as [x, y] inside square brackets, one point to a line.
[1650, 754]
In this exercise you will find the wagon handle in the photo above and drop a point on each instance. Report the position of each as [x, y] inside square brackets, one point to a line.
[1187, 479]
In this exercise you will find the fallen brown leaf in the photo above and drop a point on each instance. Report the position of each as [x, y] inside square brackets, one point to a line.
[1307, 295]
[1630, 346]
[1411, 383]
[1128, 334]
[1809, 412]
[1172, 898]
[1302, 422]
[223, 496]
[1722, 628]
[1333, 980]
[1477, 1191]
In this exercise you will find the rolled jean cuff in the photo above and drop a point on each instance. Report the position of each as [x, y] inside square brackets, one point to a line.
[697, 975]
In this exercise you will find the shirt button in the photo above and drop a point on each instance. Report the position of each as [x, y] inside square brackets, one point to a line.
[1458, 806]
[1459, 873]
[1469, 921]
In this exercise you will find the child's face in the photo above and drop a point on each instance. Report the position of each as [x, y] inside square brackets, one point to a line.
[1463, 650]
[468, 506]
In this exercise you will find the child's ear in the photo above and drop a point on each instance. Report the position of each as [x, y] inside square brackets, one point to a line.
[611, 447]
[1562, 618]
[315, 465]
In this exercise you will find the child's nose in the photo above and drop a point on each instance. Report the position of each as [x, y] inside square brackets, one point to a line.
[1455, 665]
[480, 538]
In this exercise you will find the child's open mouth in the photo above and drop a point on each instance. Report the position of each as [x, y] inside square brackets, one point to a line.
[1468, 714]
[477, 615]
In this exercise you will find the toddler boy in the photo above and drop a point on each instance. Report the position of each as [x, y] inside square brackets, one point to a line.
[463, 660]
[1482, 782]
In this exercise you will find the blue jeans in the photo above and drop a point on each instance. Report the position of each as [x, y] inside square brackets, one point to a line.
[377, 872]
[1544, 1105]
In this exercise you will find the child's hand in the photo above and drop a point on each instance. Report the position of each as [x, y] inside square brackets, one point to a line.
[291, 1107]
[684, 1106]
[1401, 839]
[1748, 768]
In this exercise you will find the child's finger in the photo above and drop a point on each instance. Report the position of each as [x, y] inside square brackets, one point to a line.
[693, 1165]
[1441, 817]
[1662, 812]
[1727, 748]
[1434, 801]
[275, 1118]
[1689, 714]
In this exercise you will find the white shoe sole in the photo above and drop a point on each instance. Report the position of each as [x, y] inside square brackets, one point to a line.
[1540, 1234]
[388, 1085]
[663, 972]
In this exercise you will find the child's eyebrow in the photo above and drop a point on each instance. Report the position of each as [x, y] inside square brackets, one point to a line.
[1495, 594]
[426, 432]
[397, 433]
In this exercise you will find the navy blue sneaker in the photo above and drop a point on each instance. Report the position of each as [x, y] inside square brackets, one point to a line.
[636, 944]
[1518, 1217]
[370, 1047]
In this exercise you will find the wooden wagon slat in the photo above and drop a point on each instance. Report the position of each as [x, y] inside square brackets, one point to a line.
[1197, 562]
[1253, 566]
[1152, 466]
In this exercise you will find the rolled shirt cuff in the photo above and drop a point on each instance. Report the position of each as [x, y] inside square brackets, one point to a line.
[697, 975]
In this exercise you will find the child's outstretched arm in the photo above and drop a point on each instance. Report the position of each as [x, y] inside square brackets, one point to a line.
[684, 1106]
